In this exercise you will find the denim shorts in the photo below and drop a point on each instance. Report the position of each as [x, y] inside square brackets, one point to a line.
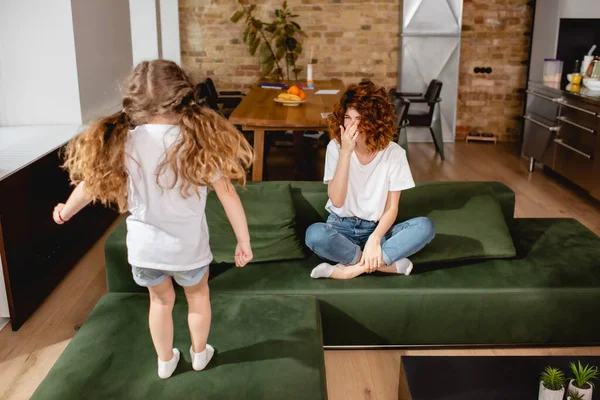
[148, 277]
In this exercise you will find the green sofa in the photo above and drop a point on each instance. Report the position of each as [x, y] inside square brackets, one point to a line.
[486, 279]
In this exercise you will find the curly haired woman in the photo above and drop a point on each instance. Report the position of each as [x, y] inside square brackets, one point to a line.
[156, 159]
[365, 172]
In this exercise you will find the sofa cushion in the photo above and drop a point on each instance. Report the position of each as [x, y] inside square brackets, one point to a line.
[474, 229]
[267, 347]
[547, 294]
[470, 222]
[271, 219]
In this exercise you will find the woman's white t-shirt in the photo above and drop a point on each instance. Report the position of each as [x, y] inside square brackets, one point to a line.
[164, 231]
[368, 185]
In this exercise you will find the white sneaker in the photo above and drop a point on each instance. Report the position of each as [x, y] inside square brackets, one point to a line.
[201, 360]
[166, 368]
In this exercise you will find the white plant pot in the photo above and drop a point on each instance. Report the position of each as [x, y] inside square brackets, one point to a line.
[546, 394]
[586, 393]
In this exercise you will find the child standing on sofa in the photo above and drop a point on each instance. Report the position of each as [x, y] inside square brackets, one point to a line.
[156, 159]
[365, 172]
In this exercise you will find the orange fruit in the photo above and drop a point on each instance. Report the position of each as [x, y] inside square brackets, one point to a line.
[294, 90]
[302, 95]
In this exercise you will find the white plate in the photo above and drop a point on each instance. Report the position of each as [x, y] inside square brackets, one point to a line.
[592, 83]
[289, 103]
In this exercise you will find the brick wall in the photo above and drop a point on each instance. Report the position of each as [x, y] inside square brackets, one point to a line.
[355, 39]
[493, 36]
[351, 40]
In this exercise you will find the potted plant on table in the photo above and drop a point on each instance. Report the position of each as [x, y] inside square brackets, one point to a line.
[574, 396]
[552, 382]
[581, 380]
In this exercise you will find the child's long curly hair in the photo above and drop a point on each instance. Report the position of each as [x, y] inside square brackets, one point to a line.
[208, 143]
[376, 115]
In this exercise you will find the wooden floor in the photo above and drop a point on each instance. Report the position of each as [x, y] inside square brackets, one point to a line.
[27, 355]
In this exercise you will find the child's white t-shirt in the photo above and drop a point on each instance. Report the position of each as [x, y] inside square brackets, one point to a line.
[368, 185]
[164, 231]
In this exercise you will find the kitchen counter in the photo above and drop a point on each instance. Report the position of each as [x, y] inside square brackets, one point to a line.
[584, 94]
[561, 129]
[22, 145]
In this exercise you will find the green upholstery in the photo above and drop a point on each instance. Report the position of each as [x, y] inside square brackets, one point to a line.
[446, 199]
[548, 294]
[266, 322]
[271, 220]
[267, 348]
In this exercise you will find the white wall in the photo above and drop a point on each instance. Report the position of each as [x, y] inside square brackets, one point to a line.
[169, 30]
[579, 9]
[103, 47]
[38, 72]
[155, 30]
[144, 30]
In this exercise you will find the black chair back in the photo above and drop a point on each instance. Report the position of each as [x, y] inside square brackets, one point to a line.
[434, 90]
[401, 107]
[204, 94]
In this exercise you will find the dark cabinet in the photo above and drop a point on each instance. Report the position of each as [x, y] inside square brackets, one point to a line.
[561, 132]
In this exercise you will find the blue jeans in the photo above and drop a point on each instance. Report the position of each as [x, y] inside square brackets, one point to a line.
[341, 239]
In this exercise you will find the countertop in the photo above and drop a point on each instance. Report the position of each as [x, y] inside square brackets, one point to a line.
[22, 145]
[583, 93]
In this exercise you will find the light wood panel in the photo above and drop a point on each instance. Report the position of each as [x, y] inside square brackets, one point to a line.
[27, 355]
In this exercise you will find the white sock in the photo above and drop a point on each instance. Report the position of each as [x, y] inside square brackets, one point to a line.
[404, 266]
[201, 360]
[322, 270]
[166, 368]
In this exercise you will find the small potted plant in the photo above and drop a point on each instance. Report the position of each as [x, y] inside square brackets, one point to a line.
[552, 382]
[574, 396]
[581, 380]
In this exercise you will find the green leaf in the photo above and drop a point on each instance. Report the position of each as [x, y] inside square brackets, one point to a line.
[267, 67]
[280, 52]
[289, 30]
[237, 16]
[254, 45]
[291, 43]
[264, 52]
[251, 36]
[552, 378]
[303, 33]
[257, 23]
[296, 25]
[271, 28]
[298, 49]
[278, 13]
[583, 375]
[245, 34]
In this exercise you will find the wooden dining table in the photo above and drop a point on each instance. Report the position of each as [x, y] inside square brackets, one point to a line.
[258, 112]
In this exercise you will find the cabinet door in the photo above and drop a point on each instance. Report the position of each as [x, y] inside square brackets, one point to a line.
[573, 164]
[538, 135]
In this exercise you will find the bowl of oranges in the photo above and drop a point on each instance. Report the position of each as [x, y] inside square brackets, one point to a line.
[292, 98]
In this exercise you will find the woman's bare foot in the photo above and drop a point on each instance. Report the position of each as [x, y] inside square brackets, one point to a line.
[347, 271]
[338, 271]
